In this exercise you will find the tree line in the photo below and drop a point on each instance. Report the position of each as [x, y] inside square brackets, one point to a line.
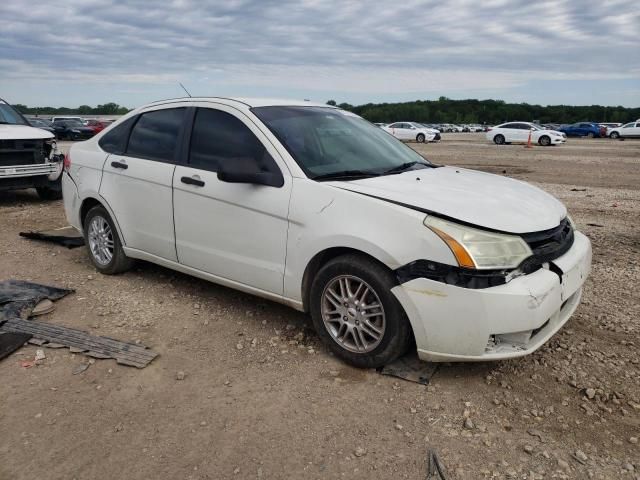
[491, 112]
[105, 109]
[443, 110]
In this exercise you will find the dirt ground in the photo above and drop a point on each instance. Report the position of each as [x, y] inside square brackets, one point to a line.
[262, 399]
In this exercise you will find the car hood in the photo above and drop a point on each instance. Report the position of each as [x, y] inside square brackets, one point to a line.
[482, 199]
[22, 132]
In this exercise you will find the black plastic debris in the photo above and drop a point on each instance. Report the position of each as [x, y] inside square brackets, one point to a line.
[411, 368]
[67, 236]
[12, 341]
[18, 298]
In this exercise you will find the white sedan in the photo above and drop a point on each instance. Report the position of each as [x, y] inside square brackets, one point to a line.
[628, 130]
[314, 207]
[518, 132]
[411, 131]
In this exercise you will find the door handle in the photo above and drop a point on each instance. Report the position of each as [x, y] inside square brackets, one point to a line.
[121, 165]
[192, 181]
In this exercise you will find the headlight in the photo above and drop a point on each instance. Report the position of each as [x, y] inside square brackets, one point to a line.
[480, 249]
[75, 131]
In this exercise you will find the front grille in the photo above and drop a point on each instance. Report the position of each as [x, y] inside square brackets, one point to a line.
[548, 244]
[21, 152]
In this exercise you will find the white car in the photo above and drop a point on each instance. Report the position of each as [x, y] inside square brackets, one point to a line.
[66, 117]
[518, 132]
[628, 130]
[411, 131]
[313, 207]
[29, 156]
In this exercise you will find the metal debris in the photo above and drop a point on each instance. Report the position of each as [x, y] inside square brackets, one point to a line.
[411, 368]
[435, 470]
[93, 346]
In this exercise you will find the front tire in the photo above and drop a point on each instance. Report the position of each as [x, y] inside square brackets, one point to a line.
[355, 313]
[544, 140]
[103, 243]
[591, 135]
[420, 138]
[498, 139]
[51, 191]
[614, 135]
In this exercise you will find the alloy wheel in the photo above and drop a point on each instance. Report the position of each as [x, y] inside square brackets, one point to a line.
[353, 314]
[100, 239]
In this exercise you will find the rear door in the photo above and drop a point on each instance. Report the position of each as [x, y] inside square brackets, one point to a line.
[137, 181]
[237, 231]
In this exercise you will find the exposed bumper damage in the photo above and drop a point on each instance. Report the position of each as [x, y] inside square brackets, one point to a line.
[21, 159]
[458, 323]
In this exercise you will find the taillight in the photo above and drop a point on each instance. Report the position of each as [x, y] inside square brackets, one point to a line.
[489, 129]
[66, 163]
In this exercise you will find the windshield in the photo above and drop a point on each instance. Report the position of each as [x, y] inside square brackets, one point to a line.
[327, 141]
[9, 116]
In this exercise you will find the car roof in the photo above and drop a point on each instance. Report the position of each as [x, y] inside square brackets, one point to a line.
[246, 101]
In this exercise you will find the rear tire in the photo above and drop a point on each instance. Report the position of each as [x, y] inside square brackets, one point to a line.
[103, 243]
[420, 138]
[499, 139]
[544, 140]
[360, 321]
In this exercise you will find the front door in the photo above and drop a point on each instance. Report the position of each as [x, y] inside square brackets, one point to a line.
[237, 231]
[137, 183]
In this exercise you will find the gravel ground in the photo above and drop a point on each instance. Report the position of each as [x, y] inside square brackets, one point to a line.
[243, 389]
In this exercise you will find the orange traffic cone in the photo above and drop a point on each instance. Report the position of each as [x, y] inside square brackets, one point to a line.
[528, 145]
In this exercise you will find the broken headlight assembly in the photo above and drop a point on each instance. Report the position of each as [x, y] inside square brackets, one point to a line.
[480, 249]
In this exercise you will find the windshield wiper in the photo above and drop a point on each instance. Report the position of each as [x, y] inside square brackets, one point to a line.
[403, 167]
[345, 174]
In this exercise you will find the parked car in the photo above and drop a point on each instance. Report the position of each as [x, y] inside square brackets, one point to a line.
[381, 124]
[29, 157]
[436, 133]
[518, 132]
[384, 249]
[71, 129]
[42, 124]
[628, 130]
[450, 128]
[411, 131]
[581, 129]
[610, 125]
[97, 125]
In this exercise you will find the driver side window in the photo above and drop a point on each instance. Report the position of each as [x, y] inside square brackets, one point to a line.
[218, 138]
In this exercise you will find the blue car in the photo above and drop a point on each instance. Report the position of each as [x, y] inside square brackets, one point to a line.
[581, 129]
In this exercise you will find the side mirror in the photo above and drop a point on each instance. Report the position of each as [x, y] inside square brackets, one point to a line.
[270, 179]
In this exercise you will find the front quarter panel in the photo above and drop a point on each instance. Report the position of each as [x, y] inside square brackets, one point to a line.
[323, 215]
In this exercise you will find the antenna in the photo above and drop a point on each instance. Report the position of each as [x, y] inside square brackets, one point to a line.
[180, 83]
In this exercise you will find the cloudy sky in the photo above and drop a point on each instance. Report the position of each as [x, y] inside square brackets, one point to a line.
[72, 52]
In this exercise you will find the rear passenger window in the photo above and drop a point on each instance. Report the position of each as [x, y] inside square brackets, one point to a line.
[155, 135]
[115, 141]
[220, 137]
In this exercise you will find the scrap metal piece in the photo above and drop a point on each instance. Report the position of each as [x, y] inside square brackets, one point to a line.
[66, 236]
[100, 347]
[435, 470]
[411, 368]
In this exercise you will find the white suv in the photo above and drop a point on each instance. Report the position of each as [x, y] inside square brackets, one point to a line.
[314, 207]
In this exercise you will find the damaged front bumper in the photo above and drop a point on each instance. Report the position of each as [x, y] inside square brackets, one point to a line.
[453, 323]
